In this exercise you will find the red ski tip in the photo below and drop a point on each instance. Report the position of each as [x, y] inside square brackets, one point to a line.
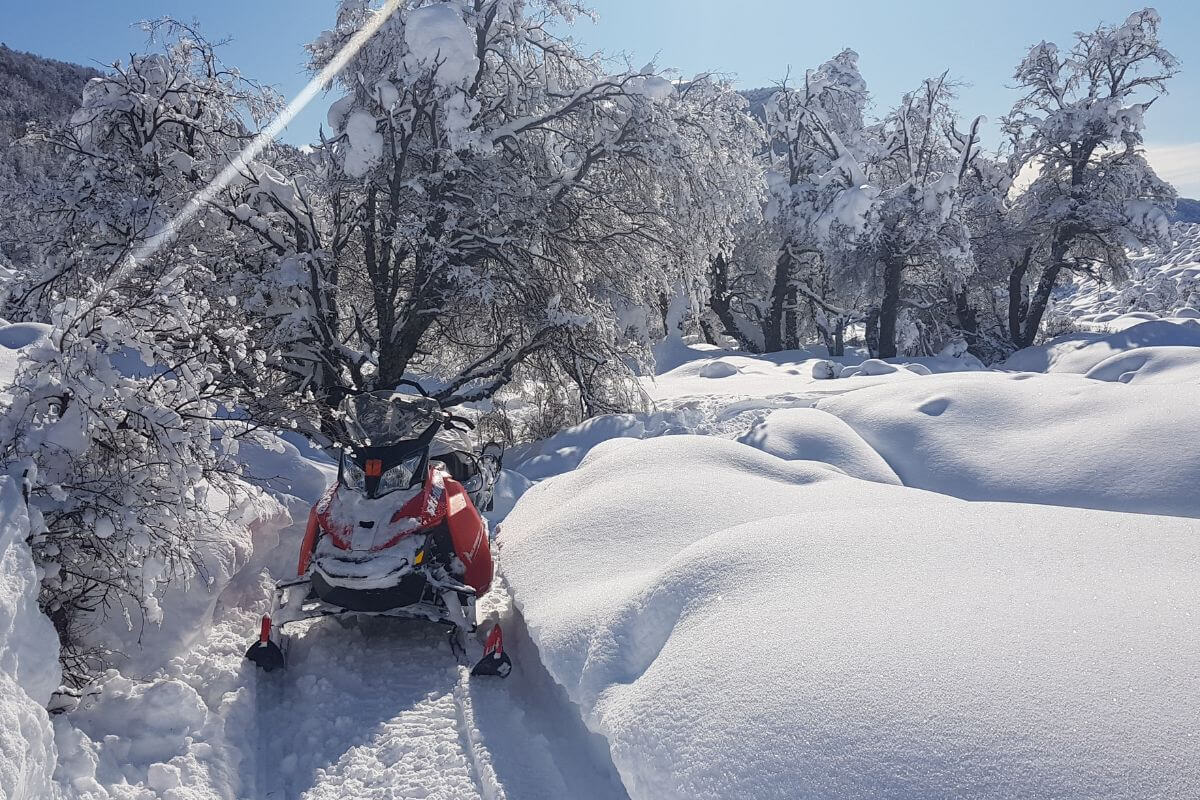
[495, 661]
[264, 635]
[495, 642]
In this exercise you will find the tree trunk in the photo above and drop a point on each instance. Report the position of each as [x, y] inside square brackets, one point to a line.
[1041, 296]
[1018, 301]
[773, 324]
[791, 323]
[710, 336]
[889, 310]
[872, 332]
[719, 302]
[968, 320]
[839, 339]
[826, 336]
[664, 312]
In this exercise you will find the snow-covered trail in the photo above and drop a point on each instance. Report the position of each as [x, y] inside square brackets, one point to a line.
[381, 708]
[370, 711]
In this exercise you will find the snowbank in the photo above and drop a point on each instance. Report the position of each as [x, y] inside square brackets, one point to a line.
[564, 450]
[699, 371]
[1151, 365]
[795, 434]
[1080, 352]
[740, 626]
[29, 670]
[1057, 439]
[14, 338]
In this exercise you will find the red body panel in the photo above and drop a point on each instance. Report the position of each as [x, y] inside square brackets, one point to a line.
[469, 534]
[310, 541]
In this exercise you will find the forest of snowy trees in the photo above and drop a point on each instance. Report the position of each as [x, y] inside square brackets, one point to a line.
[489, 209]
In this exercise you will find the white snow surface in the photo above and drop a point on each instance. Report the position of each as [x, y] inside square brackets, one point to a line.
[1057, 439]
[29, 670]
[438, 38]
[809, 434]
[737, 625]
[1080, 352]
[1151, 365]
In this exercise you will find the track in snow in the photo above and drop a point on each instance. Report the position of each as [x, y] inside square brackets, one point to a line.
[382, 709]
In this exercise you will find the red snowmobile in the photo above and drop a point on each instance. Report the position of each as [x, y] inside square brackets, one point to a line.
[398, 534]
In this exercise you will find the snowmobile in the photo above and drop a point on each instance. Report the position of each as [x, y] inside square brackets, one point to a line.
[398, 534]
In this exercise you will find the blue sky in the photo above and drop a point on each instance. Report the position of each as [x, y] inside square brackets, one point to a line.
[754, 40]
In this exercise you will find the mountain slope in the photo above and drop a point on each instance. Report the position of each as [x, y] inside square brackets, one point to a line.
[36, 89]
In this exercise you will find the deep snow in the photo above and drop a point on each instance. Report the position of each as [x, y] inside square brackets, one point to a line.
[811, 635]
[795, 604]
[29, 670]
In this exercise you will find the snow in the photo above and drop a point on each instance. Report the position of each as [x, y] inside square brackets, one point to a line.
[653, 87]
[364, 145]
[566, 449]
[717, 369]
[29, 670]
[1080, 352]
[820, 598]
[810, 434]
[438, 38]
[336, 116]
[741, 626]
[1057, 439]
[143, 646]
[18, 335]
[1151, 365]
[14, 338]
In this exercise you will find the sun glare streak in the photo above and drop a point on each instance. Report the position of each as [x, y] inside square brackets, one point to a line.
[230, 173]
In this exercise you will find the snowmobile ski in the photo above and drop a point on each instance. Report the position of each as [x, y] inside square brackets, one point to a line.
[266, 654]
[495, 661]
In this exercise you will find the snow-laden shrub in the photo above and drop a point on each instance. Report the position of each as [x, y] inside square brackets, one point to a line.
[113, 423]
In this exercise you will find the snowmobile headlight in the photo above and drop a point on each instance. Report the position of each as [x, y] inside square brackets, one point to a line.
[399, 476]
[353, 476]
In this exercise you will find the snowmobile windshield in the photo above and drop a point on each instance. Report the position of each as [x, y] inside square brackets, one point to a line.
[384, 418]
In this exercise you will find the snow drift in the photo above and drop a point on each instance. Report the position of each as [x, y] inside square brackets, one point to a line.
[741, 626]
[1151, 365]
[1080, 352]
[29, 670]
[809, 434]
[1057, 439]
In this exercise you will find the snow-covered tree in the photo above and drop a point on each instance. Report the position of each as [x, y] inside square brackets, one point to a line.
[918, 231]
[124, 420]
[1080, 124]
[819, 194]
[497, 194]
